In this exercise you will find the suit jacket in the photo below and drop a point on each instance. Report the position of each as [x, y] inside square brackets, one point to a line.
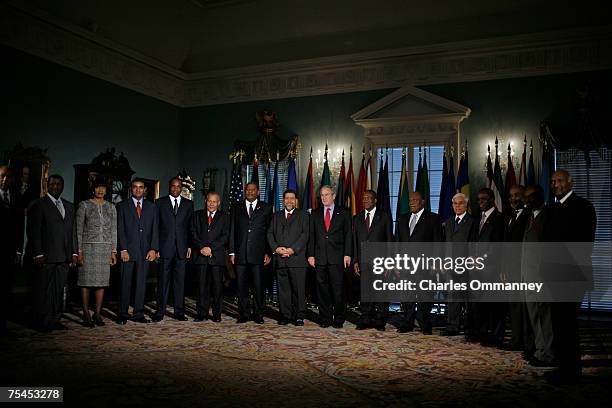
[492, 230]
[573, 221]
[464, 232]
[427, 229]
[134, 235]
[11, 219]
[48, 233]
[174, 229]
[330, 247]
[290, 234]
[248, 235]
[534, 230]
[515, 230]
[214, 236]
[381, 230]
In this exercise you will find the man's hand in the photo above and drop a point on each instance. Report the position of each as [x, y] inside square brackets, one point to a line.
[113, 259]
[311, 261]
[151, 256]
[74, 259]
[17, 258]
[188, 253]
[267, 259]
[39, 261]
[232, 258]
[125, 257]
[357, 270]
[280, 250]
[81, 259]
[288, 252]
[347, 261]
[206, 251]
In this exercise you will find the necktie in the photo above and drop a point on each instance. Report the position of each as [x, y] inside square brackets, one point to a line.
[413, 220]
[60, 207]
[250, 210]
[327, 219]
[368, 220]
[175, 206]
[288, 217]
[209, 219]
[457, 221]
[5, 198]
[138, 209]
[482, 221]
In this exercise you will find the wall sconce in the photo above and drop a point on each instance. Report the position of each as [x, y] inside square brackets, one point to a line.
[334, 160]
[502, 153]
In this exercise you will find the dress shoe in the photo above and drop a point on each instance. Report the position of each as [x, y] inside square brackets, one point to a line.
[447, 332]
[471, 339]
[97, 319]
[298, 322]
[258, 320]
[405, 329]
[338, 325]
[324, 325]
[121, 320]
[181, 318]
[87, 322]
[157, 318]
[58, 326]
[427, 332]
[381, 327]
[216, 319]
[199, 319]
[283, 322]
[241, 320]
[527, 355]
[362, 326]
[141, 320]
[536, 362]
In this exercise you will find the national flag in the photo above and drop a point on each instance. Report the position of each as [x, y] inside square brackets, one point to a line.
[292, 183]
[236, 189]
[266, 194]
[522, 180]
[308, 201]
[255, 172]
[341, 180]
[275, 191]
[383, 202]
[368, 172]
[510, 175]
[463, 176]
[349, 187]
[547, 164]
[423, 180]
[403, 194]
[325, 177]
[445, 207]
[361, 183]
[531, 168]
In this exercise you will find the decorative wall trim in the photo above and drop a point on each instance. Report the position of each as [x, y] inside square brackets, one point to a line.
[546, 53]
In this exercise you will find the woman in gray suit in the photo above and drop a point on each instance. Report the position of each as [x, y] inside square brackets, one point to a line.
[96, 224]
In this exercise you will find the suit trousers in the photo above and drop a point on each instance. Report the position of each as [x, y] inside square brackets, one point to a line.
[140, 269]
[421, 311]
[171, 268]
[292, 292]
[373, 313]
[250, 277]
[330, 290]
[210, 284]
[541, 322]
[566, 336]
[49, 282]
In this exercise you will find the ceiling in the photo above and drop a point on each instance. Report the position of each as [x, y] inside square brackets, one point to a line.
[197, 36]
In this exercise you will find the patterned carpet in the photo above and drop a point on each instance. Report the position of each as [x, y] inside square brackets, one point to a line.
[191, 364]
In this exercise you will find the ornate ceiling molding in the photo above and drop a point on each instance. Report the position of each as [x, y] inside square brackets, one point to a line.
[508, 57]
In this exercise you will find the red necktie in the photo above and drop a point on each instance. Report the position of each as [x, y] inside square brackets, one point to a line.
[288, 217]
[368, 220]
[327, 219]
[209, 219]
[138, 209]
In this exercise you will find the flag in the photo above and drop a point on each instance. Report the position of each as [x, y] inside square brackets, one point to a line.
[361, 183]
[368, 172]
[349, 187]
[451, 178]
[309, 202]
[510, 175]
[325, 177]
[492, 176]
[463, 177]
[236, 189]
[531, 167]
[447, 190]
[341, 179]
[499, 183]
[275, 190]
[403, 194]
[255, 172]
[423, 180]
[266, 195]
[382, 198]
[547, 165]
[522, 180]
[292, 183]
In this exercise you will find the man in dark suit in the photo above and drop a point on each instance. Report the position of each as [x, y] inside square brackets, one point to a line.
[11, 239]
[538, 339]
[138, 242]
[174, 214]
[51, 244]
[573, 219]
[418, 226]
[489, 317]
[288, 238]
[515, 224]
[371, 226]
[458, 229]
[209, 236]
[330, 248]
[249, 252]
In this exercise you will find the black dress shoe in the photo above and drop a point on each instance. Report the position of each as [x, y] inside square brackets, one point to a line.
[199, 319]
[427, 332]
[87, 322]
[241, 320]
[181, 318]
[298, 322]
[338, 325]
[447, 332]
[141, 320]
[157, 318]
[283, 322]
[258, 320]
[362, 326]
[405, 329]
[381, 327]
[97, 319]
[324, 325]
[216, 319]
[121, 320]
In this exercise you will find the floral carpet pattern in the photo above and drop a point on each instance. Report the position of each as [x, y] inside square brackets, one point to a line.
[189, 364]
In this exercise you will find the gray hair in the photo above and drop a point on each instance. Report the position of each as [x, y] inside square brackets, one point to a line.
[461, 195]
[330, 188]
